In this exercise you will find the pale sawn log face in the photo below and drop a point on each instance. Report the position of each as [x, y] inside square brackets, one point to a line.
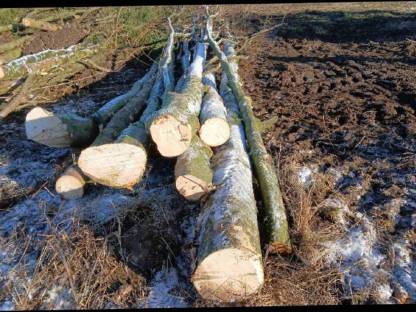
[229, 264]
[214, 130]
[177, 121]
[70, 185]
[59, 131]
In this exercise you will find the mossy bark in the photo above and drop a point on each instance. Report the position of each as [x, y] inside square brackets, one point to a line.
[275, 215]
[194, 164]
[128, 113]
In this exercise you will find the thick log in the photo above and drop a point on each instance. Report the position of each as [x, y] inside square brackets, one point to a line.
[193, 174]
[127, 153]
[229, 262]
[44, 60]
[70, 129]
[276, 224]
[39, 24]
[177, 121]
[70, 185]
[94, 161]
[215, 130]
[59, 131]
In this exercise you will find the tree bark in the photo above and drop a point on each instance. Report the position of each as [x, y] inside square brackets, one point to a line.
[177, 121]
[40, 24]
[127, 153]
[44, 60]
[275, 215]
[214, 130]
[70, 185]
[193, 174]
[229, 262]
[93, 160]
[70, 129]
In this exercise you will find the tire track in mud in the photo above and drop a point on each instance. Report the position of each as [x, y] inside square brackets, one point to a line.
[346, 103]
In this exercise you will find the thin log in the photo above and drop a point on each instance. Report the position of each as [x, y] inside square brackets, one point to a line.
[275, 215]
[128, 153]
[70, 185]
[70, 129]
[229, 261]
[39, 24]
[177, 121]
[44, 60]
[214, 130]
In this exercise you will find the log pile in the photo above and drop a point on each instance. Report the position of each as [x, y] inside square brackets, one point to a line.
[219, 151]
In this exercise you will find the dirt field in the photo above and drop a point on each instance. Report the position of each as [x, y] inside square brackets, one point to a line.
[340, 80]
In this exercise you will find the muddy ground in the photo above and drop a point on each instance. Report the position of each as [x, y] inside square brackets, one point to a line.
[343, 88]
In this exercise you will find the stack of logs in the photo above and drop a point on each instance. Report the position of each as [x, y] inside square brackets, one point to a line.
[213, 133]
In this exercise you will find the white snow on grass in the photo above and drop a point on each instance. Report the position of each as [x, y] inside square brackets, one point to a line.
[305, 175]
[160, 294]
[358, 256]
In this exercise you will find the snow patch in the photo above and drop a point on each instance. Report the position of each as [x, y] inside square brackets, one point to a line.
[160, 294]
[305, 175]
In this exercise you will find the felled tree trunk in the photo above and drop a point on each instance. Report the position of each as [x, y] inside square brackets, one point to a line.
[39, 24]
[70, 185]
[275, 215]
[102, 156]
[193, 174]
[229, 262]
[59, 131]
[127, 153]
[72, 130]
[44, 60]
[177, 121]
[215, 130]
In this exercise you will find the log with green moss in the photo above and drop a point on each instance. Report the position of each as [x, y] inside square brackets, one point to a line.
[177, 121]
[127, 154]
[72, 130]
[276, 224]
[229, 261]
[193, 174]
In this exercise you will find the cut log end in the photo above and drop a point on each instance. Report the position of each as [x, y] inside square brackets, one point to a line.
[228, 275]
[170, 135]
[215, 132]
[45, 128]
[1, 69]
[70, 185]
[117, 165]
[191, 187]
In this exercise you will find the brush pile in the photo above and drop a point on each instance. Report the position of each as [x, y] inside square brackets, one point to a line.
[211, 130]
[25, 79]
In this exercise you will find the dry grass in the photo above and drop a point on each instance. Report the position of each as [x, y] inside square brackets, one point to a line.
[80, 267]
[303, 278]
